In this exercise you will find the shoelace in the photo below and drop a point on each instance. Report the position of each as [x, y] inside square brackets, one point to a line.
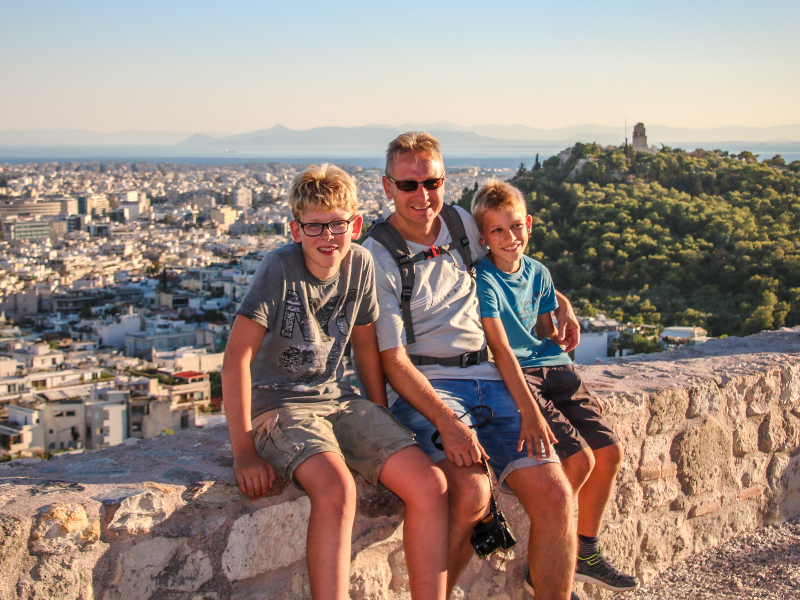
[608, 568]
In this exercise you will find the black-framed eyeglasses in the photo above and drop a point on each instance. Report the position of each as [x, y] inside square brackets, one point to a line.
[410, 185]
[335, 227]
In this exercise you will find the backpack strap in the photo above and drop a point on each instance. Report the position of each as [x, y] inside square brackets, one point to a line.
[458, 235]
[390, 238]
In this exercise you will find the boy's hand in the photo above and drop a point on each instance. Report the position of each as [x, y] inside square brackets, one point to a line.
[254, 475]
[536, 433]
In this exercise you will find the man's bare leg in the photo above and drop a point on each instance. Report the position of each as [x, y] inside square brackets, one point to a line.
[545, 493]
[410, 474]
[332, 492]
[468, 493]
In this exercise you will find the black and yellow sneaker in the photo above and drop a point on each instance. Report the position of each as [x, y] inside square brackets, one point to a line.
[598, 570]
[528, 585]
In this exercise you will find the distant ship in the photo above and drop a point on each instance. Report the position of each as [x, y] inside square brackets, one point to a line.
[230, 151]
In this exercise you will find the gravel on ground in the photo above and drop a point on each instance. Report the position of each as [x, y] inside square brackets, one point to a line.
[763, 564]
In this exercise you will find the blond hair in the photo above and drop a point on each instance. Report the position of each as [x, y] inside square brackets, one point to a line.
[496, 195]
[413, 141]
[324, 186]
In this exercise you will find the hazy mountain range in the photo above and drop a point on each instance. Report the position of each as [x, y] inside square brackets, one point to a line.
[377, 136]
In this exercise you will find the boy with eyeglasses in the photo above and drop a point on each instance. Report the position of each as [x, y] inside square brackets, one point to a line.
[288, 410]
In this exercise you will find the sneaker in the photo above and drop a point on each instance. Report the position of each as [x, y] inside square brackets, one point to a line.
[528, 585]
[598, 570]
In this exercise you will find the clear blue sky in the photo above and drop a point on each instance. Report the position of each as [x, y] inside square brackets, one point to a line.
[240, 65]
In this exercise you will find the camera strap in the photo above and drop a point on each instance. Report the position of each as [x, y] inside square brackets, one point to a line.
[494, 512]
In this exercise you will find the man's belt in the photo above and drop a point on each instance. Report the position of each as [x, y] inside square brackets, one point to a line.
[465, 360]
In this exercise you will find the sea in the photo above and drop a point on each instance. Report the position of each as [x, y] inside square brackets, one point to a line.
[494, 157]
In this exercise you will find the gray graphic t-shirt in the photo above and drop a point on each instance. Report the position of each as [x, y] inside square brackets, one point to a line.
[308, 325]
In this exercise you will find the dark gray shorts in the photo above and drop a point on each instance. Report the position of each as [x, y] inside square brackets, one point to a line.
[363, 433]
[569, 409]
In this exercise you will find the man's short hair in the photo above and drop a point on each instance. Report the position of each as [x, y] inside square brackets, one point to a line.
[496, 195]
[325, 187]
[412, 141]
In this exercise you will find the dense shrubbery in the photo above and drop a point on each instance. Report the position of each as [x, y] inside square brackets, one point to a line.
[676, 238]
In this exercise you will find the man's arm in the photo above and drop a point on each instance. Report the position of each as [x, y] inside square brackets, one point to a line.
[569, 330]
[365, 348]
[460, 444]
[534, 432]
[254, 475]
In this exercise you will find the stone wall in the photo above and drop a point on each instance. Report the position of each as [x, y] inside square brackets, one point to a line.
[711, 432]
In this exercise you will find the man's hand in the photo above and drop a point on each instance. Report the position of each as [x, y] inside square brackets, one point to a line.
[460, 444]
[536, 434]
[569, 333]
[254, 475]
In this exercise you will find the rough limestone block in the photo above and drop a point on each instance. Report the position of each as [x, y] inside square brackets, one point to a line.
[790, 385]
[63, 528]
[13, 540]
[659, 493]
[655, 449]
[789, 503]
[703, 400]
[247, 554]
[777, 475]
[745, 438]
[134, 511]
[668, 411]
[664, 538]
[61, 577]
[186, 570]
[791, 426]
[771, 433]
[622, 404]
[753, 470]
[371, 573]
[139, 566]
[629, 497]
[704, 458]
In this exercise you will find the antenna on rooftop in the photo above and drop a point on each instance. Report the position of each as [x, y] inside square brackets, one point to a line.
[626, 131]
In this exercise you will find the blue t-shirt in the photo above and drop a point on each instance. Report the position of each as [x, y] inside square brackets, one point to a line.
[517, 299]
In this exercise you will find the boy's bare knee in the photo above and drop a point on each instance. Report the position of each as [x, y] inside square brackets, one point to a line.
[610, 457]
[579, 465]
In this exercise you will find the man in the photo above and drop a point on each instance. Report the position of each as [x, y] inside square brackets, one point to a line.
[443, 373]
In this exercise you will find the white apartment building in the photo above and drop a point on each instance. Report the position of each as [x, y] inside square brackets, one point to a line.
[242, 197]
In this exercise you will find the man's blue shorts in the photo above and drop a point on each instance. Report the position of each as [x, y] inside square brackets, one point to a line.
[499, 437]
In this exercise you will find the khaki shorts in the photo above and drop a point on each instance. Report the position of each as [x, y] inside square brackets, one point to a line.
[363, 433]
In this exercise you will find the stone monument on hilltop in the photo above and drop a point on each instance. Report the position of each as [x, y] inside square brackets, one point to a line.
[639, 138]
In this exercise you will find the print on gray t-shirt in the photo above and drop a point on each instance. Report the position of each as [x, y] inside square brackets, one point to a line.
[308, 325]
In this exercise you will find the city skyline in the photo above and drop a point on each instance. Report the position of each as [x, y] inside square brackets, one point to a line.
[245, 66]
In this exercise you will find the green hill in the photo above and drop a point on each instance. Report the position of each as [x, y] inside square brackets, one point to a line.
[690, 238]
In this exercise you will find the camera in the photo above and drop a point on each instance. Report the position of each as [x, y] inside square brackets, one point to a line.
[492, 534]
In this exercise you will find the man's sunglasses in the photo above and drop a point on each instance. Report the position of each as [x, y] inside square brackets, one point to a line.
[409, 185]
[335, 227]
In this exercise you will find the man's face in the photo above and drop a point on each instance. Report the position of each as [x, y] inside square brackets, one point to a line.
[418, 209]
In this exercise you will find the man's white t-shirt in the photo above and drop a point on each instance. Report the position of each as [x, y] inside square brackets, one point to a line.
[444, 305]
